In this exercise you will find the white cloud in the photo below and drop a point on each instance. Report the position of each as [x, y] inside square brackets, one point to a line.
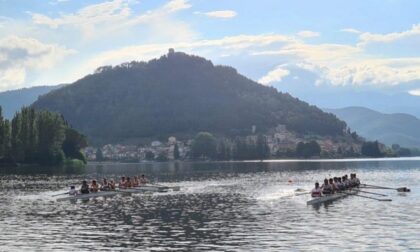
[221, 14]
[177, 5]
[308, 34]
[367, 37]
[102, 19]
[415, 92]
[351, 30]
[231, 45]
[20, 55]
[275, 75]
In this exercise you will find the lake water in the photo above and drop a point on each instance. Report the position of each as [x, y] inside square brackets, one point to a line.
[243, 206]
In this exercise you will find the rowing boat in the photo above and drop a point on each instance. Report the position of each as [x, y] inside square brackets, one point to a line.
[150, 188]
[140, 189]
[329, 198]
[89, 195]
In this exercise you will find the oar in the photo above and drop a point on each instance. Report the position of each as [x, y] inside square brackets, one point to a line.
[59, 194]
[400, 189]
[380, 194]
[304, 193]
[367, 197]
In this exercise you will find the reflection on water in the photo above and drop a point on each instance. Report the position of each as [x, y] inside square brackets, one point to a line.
[221, 207]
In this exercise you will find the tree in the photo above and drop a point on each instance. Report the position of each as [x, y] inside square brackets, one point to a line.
[73, 143]
[371, 149]
[204, 146]
[307, 150]
[176, 152]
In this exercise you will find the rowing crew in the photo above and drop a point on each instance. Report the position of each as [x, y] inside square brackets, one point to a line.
[335, 184]
[106, 185]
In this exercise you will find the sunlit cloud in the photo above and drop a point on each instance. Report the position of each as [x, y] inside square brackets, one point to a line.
[220, 14]
[308, 34]
[20, 55]
[274, 75]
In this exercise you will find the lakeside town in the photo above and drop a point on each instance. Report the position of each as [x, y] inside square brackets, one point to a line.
[280, 143]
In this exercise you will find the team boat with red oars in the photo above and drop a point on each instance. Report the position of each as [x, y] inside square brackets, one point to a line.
[109, 188]
[340, 187]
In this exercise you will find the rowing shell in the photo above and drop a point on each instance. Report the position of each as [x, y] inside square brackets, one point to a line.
[89, 195]
[140, 189]
[329, 198]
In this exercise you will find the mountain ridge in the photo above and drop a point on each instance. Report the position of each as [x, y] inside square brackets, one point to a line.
[179, 94]
[395, 128]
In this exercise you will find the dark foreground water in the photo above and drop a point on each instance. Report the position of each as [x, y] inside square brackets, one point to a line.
[221, 207]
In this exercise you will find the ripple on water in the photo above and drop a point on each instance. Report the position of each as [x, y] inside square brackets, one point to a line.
[235, 211]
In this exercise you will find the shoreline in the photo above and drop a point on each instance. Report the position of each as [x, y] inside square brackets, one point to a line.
[367, 159]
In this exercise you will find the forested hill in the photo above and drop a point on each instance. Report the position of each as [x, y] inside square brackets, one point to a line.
[402, 129]
[180, 95]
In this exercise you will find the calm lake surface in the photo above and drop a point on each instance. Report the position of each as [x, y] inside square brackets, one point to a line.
[244, 206]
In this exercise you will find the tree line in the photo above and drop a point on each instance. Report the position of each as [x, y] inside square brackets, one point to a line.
[39, 137]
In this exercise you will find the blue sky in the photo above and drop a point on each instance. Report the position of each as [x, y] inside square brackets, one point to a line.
[291, 45]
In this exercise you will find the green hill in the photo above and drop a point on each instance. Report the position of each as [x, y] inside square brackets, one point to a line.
[402, 129]
[179, 94]
[12, 101]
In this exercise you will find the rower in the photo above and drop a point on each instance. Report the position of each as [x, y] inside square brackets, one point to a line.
[128, 183]
[94, 186]
[123, 183]
[73, 190]
[111, 185]
[143, 180]
[333, 185]
[340, 184]
[345, 183]
[85, 187]
[316, 192]
[136, 181]
[105, 185]
[326, 188]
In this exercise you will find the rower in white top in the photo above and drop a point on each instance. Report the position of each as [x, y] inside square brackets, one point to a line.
[326, 187]
[317, 191]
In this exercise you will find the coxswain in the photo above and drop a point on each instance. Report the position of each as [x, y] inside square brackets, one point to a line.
[73, 190]
[326, 188]
[94, 186]
[85, 187]
[316, 192]
[356, 180]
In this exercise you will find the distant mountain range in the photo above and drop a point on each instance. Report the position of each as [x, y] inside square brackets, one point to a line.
[399, 128]
[13, 100]
[179, 94]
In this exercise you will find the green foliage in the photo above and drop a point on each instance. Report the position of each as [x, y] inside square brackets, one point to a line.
[73, 143]
[371, 149]
[308, 150]
[179, 94]
[74, 166]
[204, 146]
[39, 137]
